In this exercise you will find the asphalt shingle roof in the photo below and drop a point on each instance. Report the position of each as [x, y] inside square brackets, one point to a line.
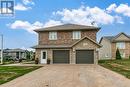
[110, 38]
[52, 46]
[68, 27]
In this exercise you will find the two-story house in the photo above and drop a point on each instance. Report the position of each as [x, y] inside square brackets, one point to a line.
[111, 43]
[68, 43]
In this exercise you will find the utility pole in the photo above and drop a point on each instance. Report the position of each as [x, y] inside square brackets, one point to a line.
[1, 49]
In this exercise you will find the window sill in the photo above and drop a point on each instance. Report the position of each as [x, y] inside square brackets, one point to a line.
[52, 40]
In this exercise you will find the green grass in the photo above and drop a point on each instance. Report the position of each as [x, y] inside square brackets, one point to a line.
[119, 66]
[8, 73]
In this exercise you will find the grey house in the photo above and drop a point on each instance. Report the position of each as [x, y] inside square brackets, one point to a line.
[14, 53]
[67, 44]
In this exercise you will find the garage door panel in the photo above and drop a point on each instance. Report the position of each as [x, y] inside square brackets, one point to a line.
[61, 56]
[84, 56]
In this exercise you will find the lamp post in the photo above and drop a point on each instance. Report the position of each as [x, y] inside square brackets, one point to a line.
[1, 49]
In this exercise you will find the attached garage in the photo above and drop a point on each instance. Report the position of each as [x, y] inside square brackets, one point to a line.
[61, 56]
[84, 56]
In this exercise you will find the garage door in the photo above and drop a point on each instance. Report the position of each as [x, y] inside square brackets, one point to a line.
[61, 56]
[84, 56]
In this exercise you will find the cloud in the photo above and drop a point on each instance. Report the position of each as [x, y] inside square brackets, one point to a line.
[21, 7]
[25, 25]
[29, 49]
[119, 19]
[25, 5]
[85, 15]
[52, 23]
[111, 7]
[100, 15]
[123, 9]
[28, 2]
[19, 24]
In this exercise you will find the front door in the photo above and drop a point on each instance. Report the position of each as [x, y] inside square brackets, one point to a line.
[43, 57]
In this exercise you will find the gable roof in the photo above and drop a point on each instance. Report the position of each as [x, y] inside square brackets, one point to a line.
[68, 27]
[112, 38]
[109, 37]
[88, 39]
[121, 34]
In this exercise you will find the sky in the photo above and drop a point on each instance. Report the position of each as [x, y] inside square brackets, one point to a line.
[113, 16]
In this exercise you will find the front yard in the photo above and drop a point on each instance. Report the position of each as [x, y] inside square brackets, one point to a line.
[119, 66]
[8, 73]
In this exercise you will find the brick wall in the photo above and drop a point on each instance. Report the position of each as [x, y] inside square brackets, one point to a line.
[64, 37]
[126, 50]
[90, 34]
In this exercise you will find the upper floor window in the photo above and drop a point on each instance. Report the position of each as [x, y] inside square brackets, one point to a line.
[52, 35]
[120, 45]
[76, 34]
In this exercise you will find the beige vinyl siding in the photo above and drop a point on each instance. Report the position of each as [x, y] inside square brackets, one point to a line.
[105, 50]
[122, 38]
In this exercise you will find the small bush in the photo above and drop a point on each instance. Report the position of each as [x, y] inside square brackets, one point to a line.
[36, 61]
[118, 55]
[101, 61]
[20, 60]
[48, 61]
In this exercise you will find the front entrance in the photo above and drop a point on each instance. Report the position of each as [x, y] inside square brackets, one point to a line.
[43, 57]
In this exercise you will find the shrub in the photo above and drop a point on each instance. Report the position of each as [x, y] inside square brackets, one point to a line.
[20, 60]
[36, 61]
[118, 55]
[48, 61]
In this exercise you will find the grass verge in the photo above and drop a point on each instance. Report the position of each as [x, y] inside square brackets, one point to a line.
[8, 73]
[119, 66]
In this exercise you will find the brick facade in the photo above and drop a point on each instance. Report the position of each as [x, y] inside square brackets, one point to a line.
[108, 50]
[90, 46]
[64, 37]
[65, 41]
[126, 50]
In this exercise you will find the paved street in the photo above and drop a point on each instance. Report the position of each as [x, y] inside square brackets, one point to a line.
[70, 76]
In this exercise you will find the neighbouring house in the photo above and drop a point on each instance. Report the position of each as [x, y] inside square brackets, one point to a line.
[15, 54]
[68, 43]
[111, 43]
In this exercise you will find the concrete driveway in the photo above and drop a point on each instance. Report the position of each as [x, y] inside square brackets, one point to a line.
[70, 76]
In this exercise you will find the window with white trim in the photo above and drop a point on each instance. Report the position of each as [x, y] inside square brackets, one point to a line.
[76, 34]
[52, 35]
[120, 45]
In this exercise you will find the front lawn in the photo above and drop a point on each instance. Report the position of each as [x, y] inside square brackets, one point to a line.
[119, 66]
[8, 73]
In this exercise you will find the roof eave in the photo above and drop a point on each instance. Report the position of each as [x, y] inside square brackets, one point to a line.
[97, 29]
[36, 47]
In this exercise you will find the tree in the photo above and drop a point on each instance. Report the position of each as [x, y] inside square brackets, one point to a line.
[27, 55]
[118, 55]
[30, 55]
